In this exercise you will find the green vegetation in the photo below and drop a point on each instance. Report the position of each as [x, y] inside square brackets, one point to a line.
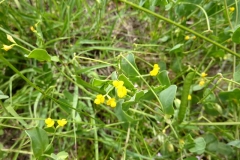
[104, 80]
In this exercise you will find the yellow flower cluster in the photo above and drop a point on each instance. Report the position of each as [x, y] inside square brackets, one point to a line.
[188, 37]
[202, 81]
[111, 102]
[50, 123]
[155, 70]
[99, 99]
[121, 92]
[121, 89]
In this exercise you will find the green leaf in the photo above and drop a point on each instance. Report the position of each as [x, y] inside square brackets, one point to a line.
[224, 149]
[177, 48]
[39, 140]
[235, 143]
[230, 95]
[60, 156]
[217, 54]
[236, 75]
[40, 55]
[213, 109]
[127, 83]
[209, 95]
[163, 78]
[134, 99]
[99, 82]
[166, 97]
[122, 115]
[199, 147]
[11, 110]
[236, 36]
[88, 85]
[211, 142]
[54, 59]
[149, 94]
[2, 96]
[128, 64]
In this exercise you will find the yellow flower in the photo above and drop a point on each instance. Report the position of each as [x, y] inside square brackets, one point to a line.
[155, 70]
[6, 47]
[231, 9]
[201, 83]
[111, 102]
[189, 97]
[99, 99]
[187, 38]
[117, 83]
[194, 37]
[10, 38]
[49, 122]
[62, 122]
[121, 91]
[203, 74]
[32, 29]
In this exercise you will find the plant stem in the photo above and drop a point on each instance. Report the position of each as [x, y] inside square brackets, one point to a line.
[182, 27]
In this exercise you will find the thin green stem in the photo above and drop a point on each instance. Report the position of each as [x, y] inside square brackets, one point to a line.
[126, 143]
[34, 86]
[204, 12]
[181, 26]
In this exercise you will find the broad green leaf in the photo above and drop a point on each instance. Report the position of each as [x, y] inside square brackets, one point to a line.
[230, 95]
[122, 115]
[235, 143]
[209, 95]
[189, 142]
[167, 97]
[213, 109]
[134, 99]
[163, 78]
[224, 149]
[39, 140]
[211, 142]
[128, 64]
[148, 95]
[236, 36]
[199, 147]
[217, 54]
[40, 55]
[236, 75]
[127, 83]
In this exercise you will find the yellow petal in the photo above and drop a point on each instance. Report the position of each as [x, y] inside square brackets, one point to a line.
[10, 38]
[6, 47]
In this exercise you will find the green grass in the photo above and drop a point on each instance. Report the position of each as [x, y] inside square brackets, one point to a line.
[89, 44]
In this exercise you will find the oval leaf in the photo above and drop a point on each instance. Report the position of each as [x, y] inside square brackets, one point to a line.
[40, 55]
[128, 64]
[39, 140]
[166, 97]
[236, 36]
[199, 147]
